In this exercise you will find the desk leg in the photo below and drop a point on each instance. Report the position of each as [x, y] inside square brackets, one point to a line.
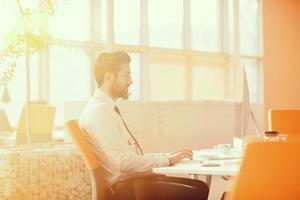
[194, 176]
[208, 180]
[217, 186]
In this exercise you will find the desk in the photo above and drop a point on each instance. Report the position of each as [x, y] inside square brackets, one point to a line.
[229, 166]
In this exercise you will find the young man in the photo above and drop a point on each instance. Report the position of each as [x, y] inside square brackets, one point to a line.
[107, 130]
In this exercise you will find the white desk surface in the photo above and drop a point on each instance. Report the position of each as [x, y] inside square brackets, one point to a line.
[228, 164]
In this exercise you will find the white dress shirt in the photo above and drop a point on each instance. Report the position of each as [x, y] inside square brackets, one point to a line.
[112, 141]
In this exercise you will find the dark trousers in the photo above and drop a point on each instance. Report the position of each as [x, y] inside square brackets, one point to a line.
[161, 188]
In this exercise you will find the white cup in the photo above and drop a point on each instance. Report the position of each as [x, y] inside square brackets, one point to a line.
[224, 148]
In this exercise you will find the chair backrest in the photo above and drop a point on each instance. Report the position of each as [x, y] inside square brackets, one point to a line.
[84, 147]
[99, 185]
[270, 170]
[41, 118]
[4, 123]
[284, 121]
[41, 123]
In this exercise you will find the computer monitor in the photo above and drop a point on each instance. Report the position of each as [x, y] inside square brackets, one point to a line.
[245, 103]
[246, 110]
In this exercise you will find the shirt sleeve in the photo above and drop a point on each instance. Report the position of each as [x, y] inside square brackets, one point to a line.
[102, 122]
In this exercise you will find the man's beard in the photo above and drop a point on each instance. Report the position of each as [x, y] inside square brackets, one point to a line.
[120, 92]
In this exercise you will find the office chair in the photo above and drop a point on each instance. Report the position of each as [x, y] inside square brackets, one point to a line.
[4, 123]
[99, 187]
[284, 121]
[146, 185]
[41, 123]
[270, 170]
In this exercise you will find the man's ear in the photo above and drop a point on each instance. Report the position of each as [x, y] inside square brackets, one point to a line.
[108, 77]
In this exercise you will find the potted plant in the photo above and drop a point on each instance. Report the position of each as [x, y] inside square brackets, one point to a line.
[28, 37]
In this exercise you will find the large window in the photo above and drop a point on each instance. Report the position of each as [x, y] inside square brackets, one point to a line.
[18, 90]
[135, 89]
[127, 22]
[209, 82]
[17, 86]
[249, 21]
[70, 78]
[167, 78]
[180, 49]
[206, 25]
[72, 20]
[165, 23]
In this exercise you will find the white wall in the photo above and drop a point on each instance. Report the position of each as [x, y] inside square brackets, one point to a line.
[167, 126]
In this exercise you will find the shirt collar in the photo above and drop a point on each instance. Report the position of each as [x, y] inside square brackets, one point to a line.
[105, 97]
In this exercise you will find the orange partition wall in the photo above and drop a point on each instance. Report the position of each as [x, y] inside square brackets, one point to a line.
[281, 26]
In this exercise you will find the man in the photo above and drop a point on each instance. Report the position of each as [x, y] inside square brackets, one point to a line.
[108, 131]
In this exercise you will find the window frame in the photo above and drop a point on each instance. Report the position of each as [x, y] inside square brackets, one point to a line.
[146, 52]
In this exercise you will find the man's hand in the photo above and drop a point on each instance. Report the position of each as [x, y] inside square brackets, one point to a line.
[177, 156]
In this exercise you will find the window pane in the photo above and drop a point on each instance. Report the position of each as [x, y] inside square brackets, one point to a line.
[209, 82]
[249, 27]
[167, 82]
[205, 22]
[165, 23]
[135, 73]
[103, 14]
[127, 21]
[8, 17]
[18, 89]
[252, 71]
[72, 20]
[70, 78]
[230, 25]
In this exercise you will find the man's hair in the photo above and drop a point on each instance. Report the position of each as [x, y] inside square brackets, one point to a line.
[109, 62]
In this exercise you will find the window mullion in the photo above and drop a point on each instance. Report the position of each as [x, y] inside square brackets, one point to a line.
[237, 50]
[187, 47]
[110, 25]
[43, 80]
[260, 52]
[225, 48]
[44, 75]
[145, 61]
[96, 36]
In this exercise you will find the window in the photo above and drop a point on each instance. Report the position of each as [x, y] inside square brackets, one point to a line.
[72, 20]
[249, 23]
[165, 23]
[205, 24]
[18, 88]
[70, 78]
[7, 19]
[127, 21]
[209, 82]
[167, 79]
[180, 50]
[103, 19]
[135, 74]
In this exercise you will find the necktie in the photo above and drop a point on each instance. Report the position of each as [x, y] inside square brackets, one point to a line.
[136, 142]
